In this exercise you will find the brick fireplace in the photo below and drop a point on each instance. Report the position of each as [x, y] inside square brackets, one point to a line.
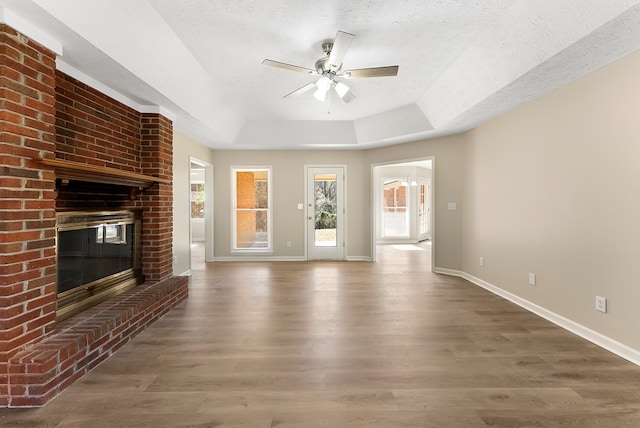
[113, 158]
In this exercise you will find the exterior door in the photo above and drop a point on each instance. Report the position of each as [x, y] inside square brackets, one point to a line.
[325, 213]
[424, 209]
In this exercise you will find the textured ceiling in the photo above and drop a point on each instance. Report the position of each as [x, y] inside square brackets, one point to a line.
[199, 61]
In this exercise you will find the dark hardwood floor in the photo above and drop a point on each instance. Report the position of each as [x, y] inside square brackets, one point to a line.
[347, 344]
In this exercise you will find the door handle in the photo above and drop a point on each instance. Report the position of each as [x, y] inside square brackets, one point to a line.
[310, 218]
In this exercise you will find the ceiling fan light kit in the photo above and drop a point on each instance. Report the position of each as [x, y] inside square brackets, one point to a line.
[329, 69]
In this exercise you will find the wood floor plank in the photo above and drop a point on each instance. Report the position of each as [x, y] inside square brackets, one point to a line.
[347, 344]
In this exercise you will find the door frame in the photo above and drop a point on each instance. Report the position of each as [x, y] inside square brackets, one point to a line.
[208, 210]
[374, 217]
[307, 167]
[427, 183]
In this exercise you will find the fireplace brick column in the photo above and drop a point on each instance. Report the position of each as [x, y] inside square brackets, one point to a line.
[157, 202]
[27, 199]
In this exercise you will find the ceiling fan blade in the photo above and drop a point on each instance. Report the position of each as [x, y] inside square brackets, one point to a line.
[341, 44]
[290, 67]
[301, 90]
[391, 70]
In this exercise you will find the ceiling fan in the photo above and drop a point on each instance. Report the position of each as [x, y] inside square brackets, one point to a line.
[329, 68]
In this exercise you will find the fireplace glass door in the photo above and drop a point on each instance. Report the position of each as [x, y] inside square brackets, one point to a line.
[89, 254]
[98, 257]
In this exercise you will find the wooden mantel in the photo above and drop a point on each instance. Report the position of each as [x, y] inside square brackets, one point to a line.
[68, 170]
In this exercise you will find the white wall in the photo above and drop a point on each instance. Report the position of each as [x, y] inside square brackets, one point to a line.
[553, 188]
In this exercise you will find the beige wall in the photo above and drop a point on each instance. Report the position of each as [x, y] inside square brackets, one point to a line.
[184, 149]
[448, 155]
[288, 188]
[288, 191]
[553, 188]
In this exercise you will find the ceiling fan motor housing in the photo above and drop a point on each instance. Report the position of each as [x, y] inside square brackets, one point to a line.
[328, 68]
[324, 69]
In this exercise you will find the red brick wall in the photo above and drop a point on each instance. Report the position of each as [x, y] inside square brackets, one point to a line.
[42, 371]
[27, 212]
[94, 128]
[157, 202]
[46, 114]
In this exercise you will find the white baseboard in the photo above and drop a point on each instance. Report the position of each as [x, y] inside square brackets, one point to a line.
[358, 259]
[281, 259]
[260, 259]
[620, 349]
[397, 241]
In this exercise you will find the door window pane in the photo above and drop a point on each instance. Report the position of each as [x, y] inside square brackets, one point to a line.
[423, 209]
[197, 200]
[325, 232]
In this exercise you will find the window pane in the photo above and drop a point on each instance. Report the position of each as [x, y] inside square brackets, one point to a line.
[245, 189]
[252, 209]
[251, 229]
[262, 194]
[395, 221]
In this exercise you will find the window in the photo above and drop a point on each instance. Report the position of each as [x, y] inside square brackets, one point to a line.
[251, 209]
[395, 215]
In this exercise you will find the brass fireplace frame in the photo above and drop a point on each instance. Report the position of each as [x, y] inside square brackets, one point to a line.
[82, 297]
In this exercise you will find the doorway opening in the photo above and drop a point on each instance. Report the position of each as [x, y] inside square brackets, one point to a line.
[201, 211]
[403, 203]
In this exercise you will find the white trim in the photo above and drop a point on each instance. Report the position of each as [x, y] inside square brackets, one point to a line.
[234, 239]
[185, 273]
[388, 241]
[99, 86]
[153, 109]
[449, 272]
[358, 259]
[345, 243]
[252, 258]
[612, 345]
[16, 22]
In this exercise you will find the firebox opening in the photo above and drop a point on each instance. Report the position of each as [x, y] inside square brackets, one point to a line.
[98, 257]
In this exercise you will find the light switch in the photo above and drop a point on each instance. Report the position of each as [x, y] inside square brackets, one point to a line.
[300, 206]
[452, 206]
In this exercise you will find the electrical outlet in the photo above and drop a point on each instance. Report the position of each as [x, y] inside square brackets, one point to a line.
[288, 244]
[601, 304]
[481, 261]
[532, 279]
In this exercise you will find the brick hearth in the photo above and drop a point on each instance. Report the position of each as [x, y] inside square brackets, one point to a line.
[45, 114]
